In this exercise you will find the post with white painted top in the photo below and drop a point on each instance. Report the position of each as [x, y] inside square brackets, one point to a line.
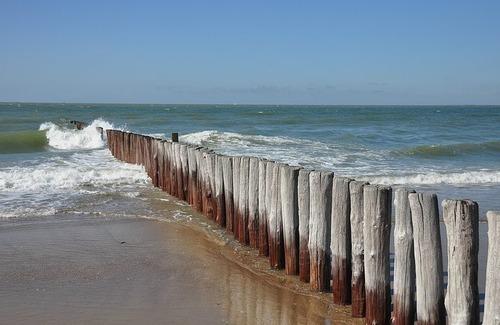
[289, 206]
[319, 229]
[428, 258]
[304, 206]
[377, 204]
[263, 245]
[461, 218]
[404, 261]
[358, 297]
[492, 295]
[253, 202]
[341, 241]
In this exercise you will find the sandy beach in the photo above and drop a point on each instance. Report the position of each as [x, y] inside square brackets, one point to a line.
[91, 270]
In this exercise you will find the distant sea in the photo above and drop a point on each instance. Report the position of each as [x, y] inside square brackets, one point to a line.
[47, 168]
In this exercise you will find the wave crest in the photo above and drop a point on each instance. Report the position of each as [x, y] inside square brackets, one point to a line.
[449, 150]
[482, 177]
[70, 139]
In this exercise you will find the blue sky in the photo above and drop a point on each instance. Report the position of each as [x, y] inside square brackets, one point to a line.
[279, 52]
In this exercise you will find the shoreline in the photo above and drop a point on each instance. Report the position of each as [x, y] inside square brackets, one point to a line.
[94, 269]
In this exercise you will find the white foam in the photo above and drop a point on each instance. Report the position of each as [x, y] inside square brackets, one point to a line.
[95, 168]
[344, 159]
[482, 177]
[71, 139]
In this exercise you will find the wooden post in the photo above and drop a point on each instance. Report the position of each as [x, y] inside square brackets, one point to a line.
[161, 154]
[319, 229]
[461, 218]
[167, 166]
[199, 179]
[236, 195]
[290, 217]
[377, 204]
[210, 179]
[219, 191]
[244, 237]
[184, 171]
[269, 200]
[253, 203]
[492, 295]
[227, 172]
[192, 175]
[275, 222]
[358, 296]
[428, 258]
[263, 245]
[404, 261]
[175, 137]
[303, 205]
[341, 241]
[180, 171]
[173, 169]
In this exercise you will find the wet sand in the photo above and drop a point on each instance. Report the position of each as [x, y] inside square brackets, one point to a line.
[88, 270]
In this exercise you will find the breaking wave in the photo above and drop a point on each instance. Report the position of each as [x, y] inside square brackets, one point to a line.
[59, 137]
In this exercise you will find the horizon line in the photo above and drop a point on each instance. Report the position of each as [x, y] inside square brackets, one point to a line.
[229, 104]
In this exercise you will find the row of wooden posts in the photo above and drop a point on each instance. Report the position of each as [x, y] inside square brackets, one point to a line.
[334, 232]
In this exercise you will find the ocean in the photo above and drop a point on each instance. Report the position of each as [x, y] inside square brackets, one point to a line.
[71, 215]
[48, 168]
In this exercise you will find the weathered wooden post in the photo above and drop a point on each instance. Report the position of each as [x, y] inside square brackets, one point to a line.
[154, 161]
[227, 173]
[204, 182]
[275, 223]
[160, 150]
[244, 237]
[199, 179]
[210, 178]
[341, 241]
[253, 202]
[492, 295]
[269, 200]
[319, 229]
[428, 258]
[461, 218]
[290, 217]
[168, 163]
[173, 169]
[219, 191]
[303, 206]
[358, 297]
[179, 171]
[175, 137]
[192, 188]
[377, 205]
[184, 171]
[404, 261]
[263, 245]
[236, 195]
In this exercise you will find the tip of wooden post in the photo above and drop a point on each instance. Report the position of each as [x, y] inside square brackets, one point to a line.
[175, 137]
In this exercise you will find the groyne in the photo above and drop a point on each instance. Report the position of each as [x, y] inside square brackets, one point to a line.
[335, 232]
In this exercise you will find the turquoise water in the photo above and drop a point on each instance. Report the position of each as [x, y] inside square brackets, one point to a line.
[47, 168]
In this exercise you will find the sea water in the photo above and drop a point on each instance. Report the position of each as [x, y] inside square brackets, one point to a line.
[47, 167]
